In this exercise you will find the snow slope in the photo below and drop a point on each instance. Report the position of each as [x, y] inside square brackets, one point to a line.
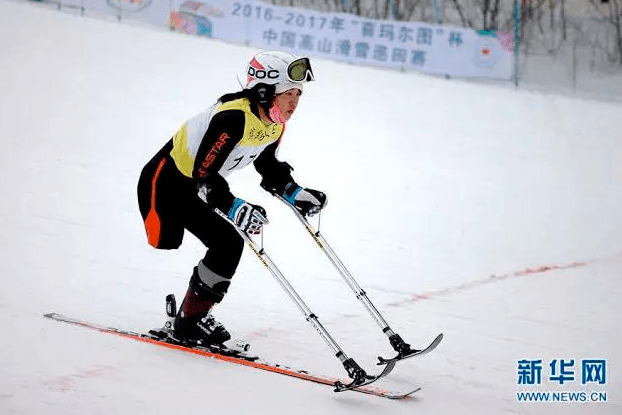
[488, 214]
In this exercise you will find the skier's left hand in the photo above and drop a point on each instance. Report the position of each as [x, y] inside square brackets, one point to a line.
[307, 201]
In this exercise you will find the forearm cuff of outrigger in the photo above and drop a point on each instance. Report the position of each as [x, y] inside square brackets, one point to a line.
[291, 190]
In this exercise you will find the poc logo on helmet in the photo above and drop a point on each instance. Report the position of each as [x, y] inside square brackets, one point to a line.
[261, 74]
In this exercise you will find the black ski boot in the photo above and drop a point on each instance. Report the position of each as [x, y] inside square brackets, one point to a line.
[194, 322]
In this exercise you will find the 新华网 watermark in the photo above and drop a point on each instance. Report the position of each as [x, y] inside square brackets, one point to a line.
[534, 374]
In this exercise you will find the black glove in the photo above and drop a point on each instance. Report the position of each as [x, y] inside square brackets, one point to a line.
[247, 217]
[307, 201]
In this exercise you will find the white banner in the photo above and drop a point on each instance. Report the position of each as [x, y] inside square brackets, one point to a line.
[155, 12]
[430, 48]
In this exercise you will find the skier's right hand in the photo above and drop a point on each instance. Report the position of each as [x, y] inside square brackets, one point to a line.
[247, 217]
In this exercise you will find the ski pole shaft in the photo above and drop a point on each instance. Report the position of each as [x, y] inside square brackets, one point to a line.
[350, 365]
[343, 271]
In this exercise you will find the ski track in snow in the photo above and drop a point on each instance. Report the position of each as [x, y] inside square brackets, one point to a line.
[492, 279]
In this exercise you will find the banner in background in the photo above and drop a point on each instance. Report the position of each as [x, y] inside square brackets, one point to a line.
[345, 37]
[429, 48]
[155, 12]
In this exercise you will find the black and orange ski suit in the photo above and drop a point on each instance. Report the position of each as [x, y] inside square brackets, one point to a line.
[227, 137]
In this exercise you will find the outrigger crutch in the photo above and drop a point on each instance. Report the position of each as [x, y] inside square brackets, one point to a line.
[355, 372]
[399, 345]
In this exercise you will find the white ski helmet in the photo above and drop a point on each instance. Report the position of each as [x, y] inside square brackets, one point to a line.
[283, 70]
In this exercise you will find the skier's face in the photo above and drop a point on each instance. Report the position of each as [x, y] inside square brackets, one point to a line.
[287, 102]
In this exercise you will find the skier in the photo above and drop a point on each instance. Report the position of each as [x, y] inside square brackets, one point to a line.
[180, 187]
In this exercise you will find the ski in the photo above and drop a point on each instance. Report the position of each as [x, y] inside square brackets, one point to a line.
[411, 352]
[242, 358]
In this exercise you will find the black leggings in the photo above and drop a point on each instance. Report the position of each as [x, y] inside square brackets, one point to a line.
[169, 204]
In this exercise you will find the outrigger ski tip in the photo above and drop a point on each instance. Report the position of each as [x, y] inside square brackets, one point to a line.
[341, 387]
[412, 352]
[404, 395]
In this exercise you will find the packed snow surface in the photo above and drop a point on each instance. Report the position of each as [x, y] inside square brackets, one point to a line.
[487, 213]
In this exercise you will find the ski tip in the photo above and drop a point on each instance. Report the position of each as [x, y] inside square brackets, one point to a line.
[397, 396]
[436, 340]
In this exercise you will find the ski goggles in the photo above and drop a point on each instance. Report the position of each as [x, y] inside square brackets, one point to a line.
[300, 71]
